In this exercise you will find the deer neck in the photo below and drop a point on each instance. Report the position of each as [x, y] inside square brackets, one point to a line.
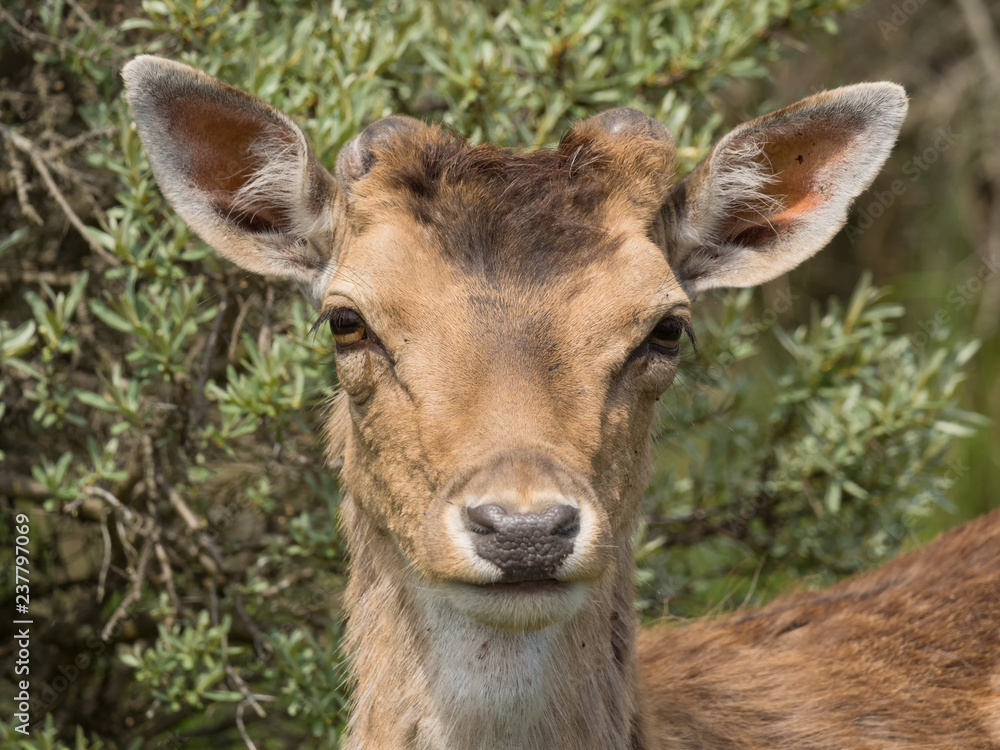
[429, 677]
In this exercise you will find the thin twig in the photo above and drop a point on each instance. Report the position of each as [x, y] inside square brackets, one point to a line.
[52, 278]
[294, 577]
[149, 466]
[241, 316]
[96, 28]
[122, 514]
[135, 591]
[213, 608]
[168, 576]
[21, 185]
[38, 160]
[75, 220]
[71, 144]
[106, 563]
[248, 697]
[242, 729]
[213, 336]
[258, 637]
[264, 336]
[183, 509]
[34, 36]
[212, 559]
[127, 547]
[114, 502]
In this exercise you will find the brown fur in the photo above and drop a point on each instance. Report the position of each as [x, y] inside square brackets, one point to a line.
[510, 303]
[904, 657]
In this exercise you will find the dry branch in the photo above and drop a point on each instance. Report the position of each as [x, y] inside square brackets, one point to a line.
[38, 159]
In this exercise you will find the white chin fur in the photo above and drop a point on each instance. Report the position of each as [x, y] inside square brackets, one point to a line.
[514, 611]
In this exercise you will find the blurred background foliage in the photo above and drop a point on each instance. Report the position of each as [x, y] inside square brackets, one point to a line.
[160, 409]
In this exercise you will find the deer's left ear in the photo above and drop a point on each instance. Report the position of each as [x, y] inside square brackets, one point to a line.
[237, 170]
[776, 189]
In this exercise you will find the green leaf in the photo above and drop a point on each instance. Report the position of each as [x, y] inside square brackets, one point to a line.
[96, 401]
[12, 240]
[953, 428]
[223, 696]
[74, 294]
[110, 318]
[833, 496]
[18, 341]
[130, 660]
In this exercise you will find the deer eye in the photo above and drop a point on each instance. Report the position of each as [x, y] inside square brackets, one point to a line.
[666, 337]
[347, 327]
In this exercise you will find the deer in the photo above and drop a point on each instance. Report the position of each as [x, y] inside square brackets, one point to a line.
[504, 323]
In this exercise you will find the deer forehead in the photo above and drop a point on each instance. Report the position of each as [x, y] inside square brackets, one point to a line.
[449, 240]
[544, 293]
[593, 169]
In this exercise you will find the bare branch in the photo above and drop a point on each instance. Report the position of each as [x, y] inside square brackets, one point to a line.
[96, 28]
[21, 185]
[168, 577]
[138, 578]
[243, 730]
[38, 38]
[213, 336]
[106, 562]
[38, 160]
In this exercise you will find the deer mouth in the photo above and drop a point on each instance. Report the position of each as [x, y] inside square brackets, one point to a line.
[542, 586]
[519, 606]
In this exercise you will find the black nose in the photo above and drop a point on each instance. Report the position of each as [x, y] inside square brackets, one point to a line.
[525, 546]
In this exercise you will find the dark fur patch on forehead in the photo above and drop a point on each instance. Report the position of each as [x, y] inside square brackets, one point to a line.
[497, 211]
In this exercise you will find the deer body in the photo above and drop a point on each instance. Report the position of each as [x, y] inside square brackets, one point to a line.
[904, 657]
[504, 324]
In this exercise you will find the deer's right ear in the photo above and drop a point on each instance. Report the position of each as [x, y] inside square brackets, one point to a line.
[776, 189]
[238, 171]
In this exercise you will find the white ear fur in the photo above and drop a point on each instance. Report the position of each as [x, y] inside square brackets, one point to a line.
[775, 190]
[238, 171]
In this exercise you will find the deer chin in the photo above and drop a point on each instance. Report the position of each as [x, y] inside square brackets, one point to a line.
[518, 607]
